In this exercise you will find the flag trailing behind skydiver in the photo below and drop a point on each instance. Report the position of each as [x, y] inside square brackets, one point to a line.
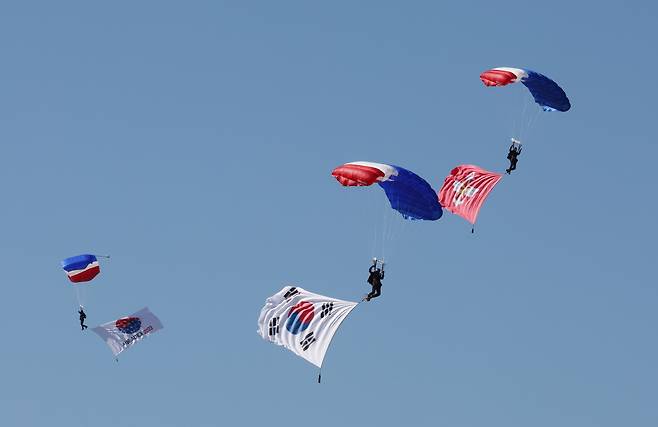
[407, 192]
[465, 189]
[302, 322]
[123, 333]
[81, 268]
[548, 94]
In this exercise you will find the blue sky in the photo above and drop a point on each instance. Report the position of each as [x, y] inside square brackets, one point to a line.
[194, 143]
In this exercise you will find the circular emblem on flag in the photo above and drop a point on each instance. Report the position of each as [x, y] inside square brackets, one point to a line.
[128, 325]
[299, 317]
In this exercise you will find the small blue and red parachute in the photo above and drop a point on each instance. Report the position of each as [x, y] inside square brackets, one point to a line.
[408, 193]
[548, 94]
[81, 268]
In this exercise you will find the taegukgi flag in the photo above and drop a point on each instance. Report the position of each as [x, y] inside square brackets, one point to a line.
[302, 322]
[123, 333]
[464, 190]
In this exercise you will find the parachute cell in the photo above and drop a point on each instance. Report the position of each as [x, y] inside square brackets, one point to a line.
[408, 193]
[545, 91]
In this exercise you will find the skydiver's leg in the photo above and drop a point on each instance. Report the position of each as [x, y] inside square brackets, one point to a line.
[376, 291]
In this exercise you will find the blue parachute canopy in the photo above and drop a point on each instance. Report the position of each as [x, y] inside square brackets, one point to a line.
[81, 268]
[546, 92]
[408, 193]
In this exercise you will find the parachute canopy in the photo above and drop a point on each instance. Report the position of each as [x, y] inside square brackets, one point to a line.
[81, 268]
[302, 322]
[546, 92]
[408, 193]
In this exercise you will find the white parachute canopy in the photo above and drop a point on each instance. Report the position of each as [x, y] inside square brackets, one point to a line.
[302, 322]
[125, 332]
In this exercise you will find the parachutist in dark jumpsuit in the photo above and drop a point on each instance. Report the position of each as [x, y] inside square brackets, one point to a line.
[514, 151]
[375, 279]
[83, 316]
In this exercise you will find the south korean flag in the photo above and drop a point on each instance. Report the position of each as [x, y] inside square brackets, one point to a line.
[302, 322]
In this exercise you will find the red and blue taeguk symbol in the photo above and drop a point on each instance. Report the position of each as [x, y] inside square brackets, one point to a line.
[128, 325]
[299, 317]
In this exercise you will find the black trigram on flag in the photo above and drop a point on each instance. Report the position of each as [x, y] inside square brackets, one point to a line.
[274, 326]
[327, 307]
[308, 340]
[292, 291]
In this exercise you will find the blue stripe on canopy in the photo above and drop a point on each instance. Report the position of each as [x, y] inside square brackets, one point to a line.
[78, 262]
[412, 196]
[546, 92]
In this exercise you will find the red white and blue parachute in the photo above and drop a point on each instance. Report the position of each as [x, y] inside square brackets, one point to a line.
[546, 92]
[408, 193]
[81, 268]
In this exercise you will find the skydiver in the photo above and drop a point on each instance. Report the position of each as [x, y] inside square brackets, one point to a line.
[514, 152]
[375, 279]
[83, 316]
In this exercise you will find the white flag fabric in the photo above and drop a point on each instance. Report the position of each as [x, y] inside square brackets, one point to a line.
[125, 332]
[302, 322]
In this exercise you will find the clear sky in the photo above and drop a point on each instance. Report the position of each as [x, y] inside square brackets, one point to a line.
[193, 141]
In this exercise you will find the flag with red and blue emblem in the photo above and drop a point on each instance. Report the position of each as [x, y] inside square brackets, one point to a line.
[123, 333]
[302, 322]
[81, 268]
